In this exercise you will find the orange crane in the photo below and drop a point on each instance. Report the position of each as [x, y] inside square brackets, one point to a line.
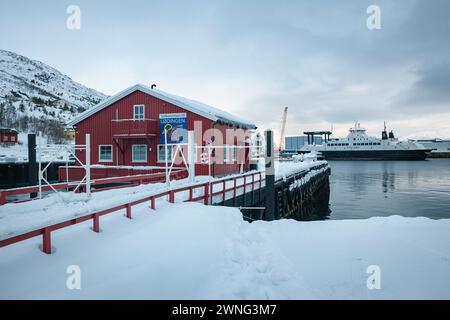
[283, 128]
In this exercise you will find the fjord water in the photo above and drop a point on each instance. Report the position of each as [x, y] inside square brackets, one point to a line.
[364, 189]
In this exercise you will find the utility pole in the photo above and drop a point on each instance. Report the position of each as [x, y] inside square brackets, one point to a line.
[32, 164]
[270, 177]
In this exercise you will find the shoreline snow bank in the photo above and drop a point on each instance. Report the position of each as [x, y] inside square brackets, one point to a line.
[191, 251]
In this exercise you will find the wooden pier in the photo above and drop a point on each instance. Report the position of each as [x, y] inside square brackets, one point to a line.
[301, 196]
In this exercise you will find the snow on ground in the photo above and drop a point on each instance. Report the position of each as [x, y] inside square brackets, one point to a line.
[22, 80]
[190, 251]
[19, 152]
[19, 218]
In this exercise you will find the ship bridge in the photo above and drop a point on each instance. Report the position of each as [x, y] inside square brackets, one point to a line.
[311, 134]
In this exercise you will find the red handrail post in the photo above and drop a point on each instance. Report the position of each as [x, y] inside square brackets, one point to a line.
[128, 211]
[223, 190]
[47, 241]
[152, 203]
[171, 196]
[206, 194]
[2, 198]
[211, 193]
[234, 190]
[96, 226]
[253, 188]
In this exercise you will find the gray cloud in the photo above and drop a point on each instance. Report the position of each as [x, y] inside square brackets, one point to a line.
[254, 57]
[429, 93]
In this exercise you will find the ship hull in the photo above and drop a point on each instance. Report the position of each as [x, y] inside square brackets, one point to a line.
[376, 154]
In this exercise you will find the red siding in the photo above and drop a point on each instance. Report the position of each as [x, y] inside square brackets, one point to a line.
[221, 168]
[99, 126]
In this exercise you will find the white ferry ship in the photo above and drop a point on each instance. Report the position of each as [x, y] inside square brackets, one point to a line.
[359, 146]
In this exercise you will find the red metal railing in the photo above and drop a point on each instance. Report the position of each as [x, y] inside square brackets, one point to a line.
[74, 173]
[206, 197]
[128, 181]
[130, 127]
[235, 188]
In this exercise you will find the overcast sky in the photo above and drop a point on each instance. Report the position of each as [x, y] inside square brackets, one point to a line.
[254, 57]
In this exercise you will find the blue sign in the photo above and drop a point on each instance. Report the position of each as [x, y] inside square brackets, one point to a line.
[175, 126]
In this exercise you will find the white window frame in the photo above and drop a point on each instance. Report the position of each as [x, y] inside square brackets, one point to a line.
[169, 152]
[13, 138]
[143, 112]
[226, 153]
[132, 153]
[100, 153]
[195, 153]
[234, 153]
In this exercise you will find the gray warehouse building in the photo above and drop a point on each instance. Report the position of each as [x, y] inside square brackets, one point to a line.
[297, 142]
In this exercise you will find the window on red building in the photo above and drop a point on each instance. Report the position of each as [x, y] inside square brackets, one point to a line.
[162, 153]
[139, 153]
[226, 153]
[105, 153]
[234, 153]
[139, 112]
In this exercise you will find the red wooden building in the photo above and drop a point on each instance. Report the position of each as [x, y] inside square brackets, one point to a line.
[127, 130]
[8, 136]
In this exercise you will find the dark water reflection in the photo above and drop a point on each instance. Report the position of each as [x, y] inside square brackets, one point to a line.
[362, 189]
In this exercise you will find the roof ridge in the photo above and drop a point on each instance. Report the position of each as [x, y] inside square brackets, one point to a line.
[194, 106]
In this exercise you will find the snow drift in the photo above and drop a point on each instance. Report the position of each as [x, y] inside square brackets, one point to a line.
[190, 251]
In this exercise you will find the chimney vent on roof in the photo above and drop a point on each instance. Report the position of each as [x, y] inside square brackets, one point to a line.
[153, 86]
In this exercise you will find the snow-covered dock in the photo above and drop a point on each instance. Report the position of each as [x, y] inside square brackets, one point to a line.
[23, 217]
[192, 251]
[18, 218]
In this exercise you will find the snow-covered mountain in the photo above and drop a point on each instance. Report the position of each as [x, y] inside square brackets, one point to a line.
[33, 89]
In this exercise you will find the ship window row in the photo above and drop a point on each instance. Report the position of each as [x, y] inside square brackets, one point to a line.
[368, 144]
[337, 144]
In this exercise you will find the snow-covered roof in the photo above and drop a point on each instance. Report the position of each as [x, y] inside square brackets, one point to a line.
[193, 106]
[8, 130]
